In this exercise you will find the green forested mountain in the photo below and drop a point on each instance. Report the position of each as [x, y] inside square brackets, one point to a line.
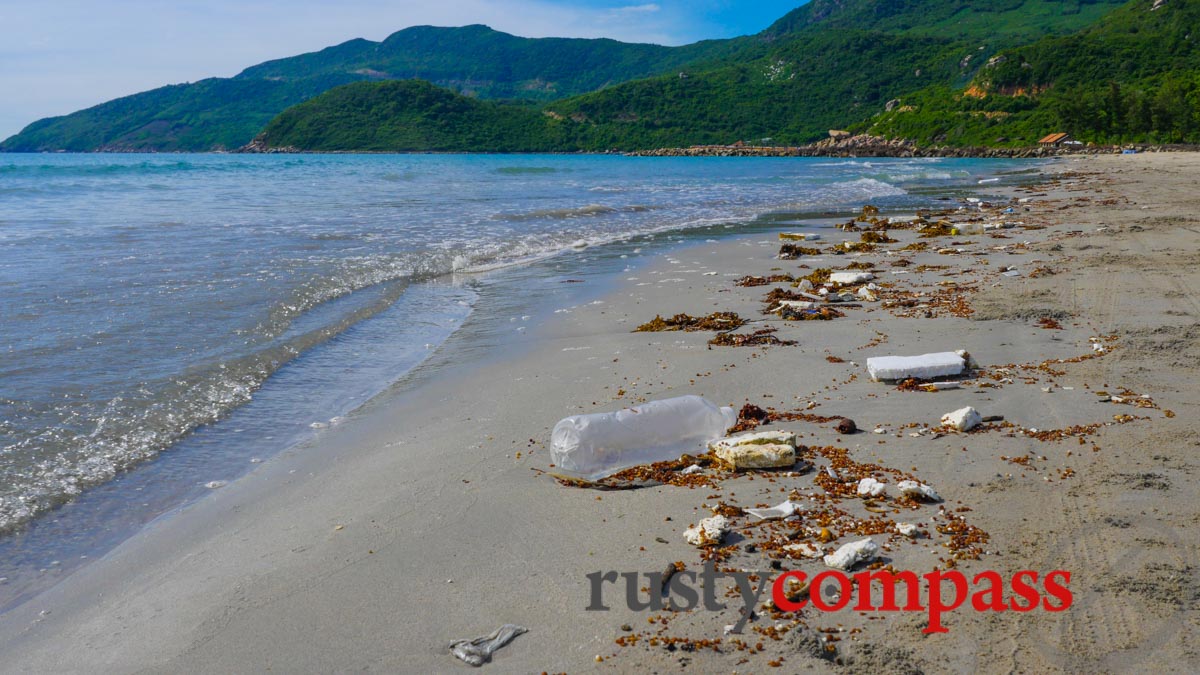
[827, 64]
[226, 113]
[413, 115]
[976, 72]
[1134, 76]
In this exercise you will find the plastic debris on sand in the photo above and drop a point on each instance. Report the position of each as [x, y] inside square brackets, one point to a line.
[925, 366]
[479, 651]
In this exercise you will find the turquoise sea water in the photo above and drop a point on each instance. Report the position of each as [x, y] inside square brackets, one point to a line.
[204, 310]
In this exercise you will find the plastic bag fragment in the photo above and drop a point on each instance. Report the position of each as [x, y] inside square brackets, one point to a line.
[479, 651]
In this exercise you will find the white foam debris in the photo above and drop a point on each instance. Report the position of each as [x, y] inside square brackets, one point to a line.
[911, 488]
[963, 419]
[925, 366]
[907, 529]
[693, 469]
[760, 450]
[710, 531]
[869, 487]
[779, 512]
[792, 304]
[805, 549]
[850, 277]
[852, 554]
[214, 484]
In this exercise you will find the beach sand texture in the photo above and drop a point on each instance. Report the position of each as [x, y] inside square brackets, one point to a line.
[425, 517]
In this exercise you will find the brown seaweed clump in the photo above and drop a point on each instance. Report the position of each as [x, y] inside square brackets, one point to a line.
[793, 251]
[859, 265]
[815, 314]
[755, 339]
[874, 237]
[942, 228]
[718, 321]
[749, 417]
[854, 247]
[817, 276]
[750, 281]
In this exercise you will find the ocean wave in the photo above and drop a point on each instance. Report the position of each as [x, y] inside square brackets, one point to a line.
[588, 211]
[92, 443]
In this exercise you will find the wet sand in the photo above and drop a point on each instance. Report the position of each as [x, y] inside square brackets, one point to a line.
[425, 517]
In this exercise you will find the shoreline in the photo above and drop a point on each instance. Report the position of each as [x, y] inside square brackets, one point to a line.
[326, 557]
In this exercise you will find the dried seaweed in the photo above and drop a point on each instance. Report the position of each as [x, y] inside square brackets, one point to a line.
[719, 321]
[815, 314]
[817, 276]
[873, 237]
[793, 251]
[750, 281]
[942, 228]
[757, 338]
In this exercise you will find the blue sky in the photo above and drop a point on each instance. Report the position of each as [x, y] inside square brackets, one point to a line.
[58, 56]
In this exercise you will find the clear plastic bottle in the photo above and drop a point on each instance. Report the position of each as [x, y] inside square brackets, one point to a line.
[597, 445]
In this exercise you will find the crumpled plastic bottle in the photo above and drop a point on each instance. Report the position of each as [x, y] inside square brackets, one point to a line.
[597, 445]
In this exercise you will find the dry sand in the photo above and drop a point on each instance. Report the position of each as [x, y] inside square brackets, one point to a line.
[423, 519]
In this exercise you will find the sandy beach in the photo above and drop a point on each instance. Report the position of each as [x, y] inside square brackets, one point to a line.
[428, 517]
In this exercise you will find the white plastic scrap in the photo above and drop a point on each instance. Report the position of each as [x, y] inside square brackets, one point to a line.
[852, 554]
[693, 469]
[925, 367]
[869, 487]
[710, 531]
[911, 488]
[780, 512]
[850, 277]
[907, 529]
[805, 549]
[963, 419]
[479, 651]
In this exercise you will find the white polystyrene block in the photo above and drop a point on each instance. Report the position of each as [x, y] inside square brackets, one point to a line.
[925, 366]
[852, 554]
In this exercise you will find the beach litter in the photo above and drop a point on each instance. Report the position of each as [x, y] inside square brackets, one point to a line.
[846, 278]
[849, 555]
[479, 651]
[907, 529]
[918, 491]
[600, 444]
[963, 419]
[924, 367]
[782, 511]
[869, 487]
[799, 236]
[759, 450]
[708, 532]
[805, 549]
